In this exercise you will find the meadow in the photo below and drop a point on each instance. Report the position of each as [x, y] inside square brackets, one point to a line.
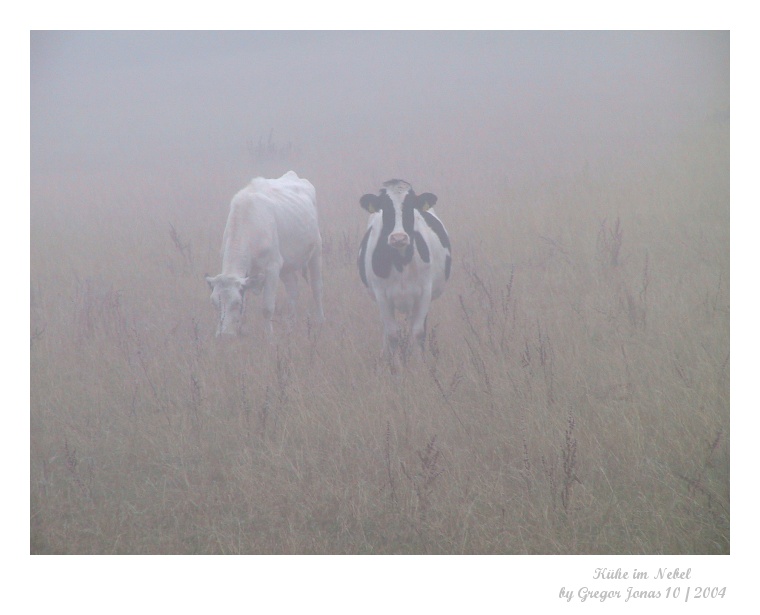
[574, 398]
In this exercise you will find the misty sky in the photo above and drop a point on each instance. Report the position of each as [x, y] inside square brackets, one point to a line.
[113, 98]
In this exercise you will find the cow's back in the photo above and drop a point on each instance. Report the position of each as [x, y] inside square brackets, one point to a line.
[290, 202]
[271, 214]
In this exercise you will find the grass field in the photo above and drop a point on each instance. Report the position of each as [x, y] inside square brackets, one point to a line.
[574, 399]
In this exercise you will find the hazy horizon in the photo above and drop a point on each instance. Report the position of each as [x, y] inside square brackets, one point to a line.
[125, 99]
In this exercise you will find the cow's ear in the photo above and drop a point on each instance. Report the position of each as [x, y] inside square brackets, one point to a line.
[369, 202]
[244, 283]
[210, 281]
[426, 200]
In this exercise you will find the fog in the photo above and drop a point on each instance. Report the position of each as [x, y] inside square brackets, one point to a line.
[583, 178]
[103, 101]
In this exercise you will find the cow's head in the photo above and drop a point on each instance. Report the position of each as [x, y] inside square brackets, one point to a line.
[397, 202]
[227, 295]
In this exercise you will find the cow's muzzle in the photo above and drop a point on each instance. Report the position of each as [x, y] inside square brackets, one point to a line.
[398, 240]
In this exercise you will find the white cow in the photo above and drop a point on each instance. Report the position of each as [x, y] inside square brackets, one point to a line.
[404, 258]
[272, 233]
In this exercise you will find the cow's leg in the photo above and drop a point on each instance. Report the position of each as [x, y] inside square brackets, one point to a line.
[269, 295]
[315, 279]
[290, 280]
[390, 329]
[418, 319]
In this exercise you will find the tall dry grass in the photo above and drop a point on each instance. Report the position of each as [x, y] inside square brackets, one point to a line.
[575, 396]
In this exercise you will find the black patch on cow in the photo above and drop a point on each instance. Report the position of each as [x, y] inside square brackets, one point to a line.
[385, 258]
[437, 227]
[402, 259]
[362, 257]
[369, 202]
[426, 198]
[422, 247]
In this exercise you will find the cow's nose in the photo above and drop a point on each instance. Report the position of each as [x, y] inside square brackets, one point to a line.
[398, 240]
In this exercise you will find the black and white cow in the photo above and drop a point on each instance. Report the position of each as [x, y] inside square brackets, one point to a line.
[404, 258]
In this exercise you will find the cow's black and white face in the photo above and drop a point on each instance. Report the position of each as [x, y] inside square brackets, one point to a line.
[397, 204]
